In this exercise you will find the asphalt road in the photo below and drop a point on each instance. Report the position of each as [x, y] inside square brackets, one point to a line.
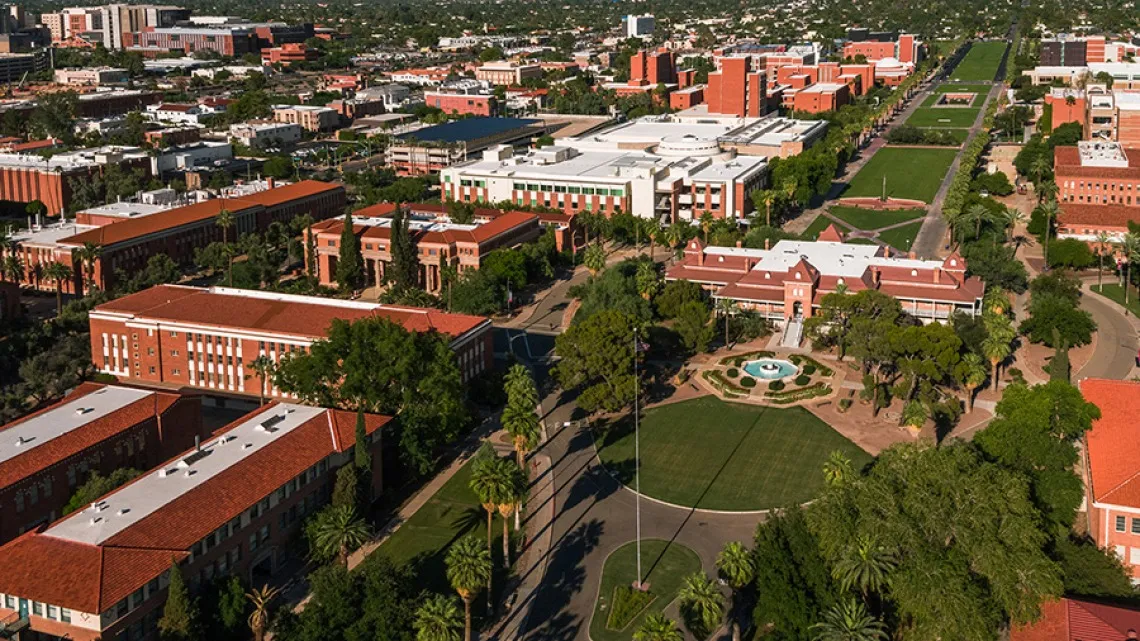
[1116, 341]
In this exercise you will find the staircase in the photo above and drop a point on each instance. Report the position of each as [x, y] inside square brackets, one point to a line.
[793, 333]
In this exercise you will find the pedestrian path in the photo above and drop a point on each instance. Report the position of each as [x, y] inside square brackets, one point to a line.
[531, 565]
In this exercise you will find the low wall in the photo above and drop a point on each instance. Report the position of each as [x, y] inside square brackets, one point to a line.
[880, 205]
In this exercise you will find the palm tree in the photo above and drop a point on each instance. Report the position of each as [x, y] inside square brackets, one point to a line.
[973, 375]
[338, 532]
[737, 567]
[1048, 190]
[519, 416]
[264, 367]
[653, 233]
[1130, 250]
[225, 220]
[838, 468]
[13, 267]
[87, 255]
[511, 500]
[647, 279]
[979, 214]
[468, 570]
[1039, 168]
[259, 618]
[790, 186]
[594, 258]
[1102, 239]
[702, 602]
[995, 301]
[849, 621]
[957, 220]
[1049, 210]
[674, 236]
[656, 627]
[767, 197]
[864, 566]
[489, 480]
[59, 273]
[996, 345]
[707, 221]
[438, 619]
[727, 307]
[914, 414]
[1012, 217]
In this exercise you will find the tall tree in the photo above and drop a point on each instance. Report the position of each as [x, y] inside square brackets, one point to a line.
[657, 627]
[405, 267]
[511, 500]
[263, 367]
[489, 481]
[702, 604]
[225, 219]
[520, 418]
[864, 566]
[468, 570]
[179, 620]
[737, 567]
[261, 599]
[597, 356]
[848, 620]
[59, 273]
[350, 262]
[594, 258]
[438, 619]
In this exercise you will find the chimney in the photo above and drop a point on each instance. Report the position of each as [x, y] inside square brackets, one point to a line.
[1132, 634]
[269, 182]
[197, 443]
[767, 243]
[937, 276]
[911, 255]
[739, 244]
[701, 257]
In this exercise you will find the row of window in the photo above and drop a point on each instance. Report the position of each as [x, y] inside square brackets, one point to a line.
[569, 189]
[1121, 523]
[40, 609]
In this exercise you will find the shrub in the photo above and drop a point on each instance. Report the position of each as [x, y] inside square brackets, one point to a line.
[733, 372]
[627, 604]
[801, 394]
[776, 386]
[809, 369]
[844, 404]
[805, 361]
[748, 382]
[803, 379]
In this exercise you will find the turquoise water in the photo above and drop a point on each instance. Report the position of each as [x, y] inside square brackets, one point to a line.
[782, 368]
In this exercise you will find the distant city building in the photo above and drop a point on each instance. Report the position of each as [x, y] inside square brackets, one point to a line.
[1125, 75]
[209, 323]
[188, 156]
[638, 26]
[227, 507]
[504, 72]
[431, 149]
[308, 117]
[265, 134]
[420, 77]
[439, 242]
[113, 25]
[92, 76]
[97, 428]
[289, 53]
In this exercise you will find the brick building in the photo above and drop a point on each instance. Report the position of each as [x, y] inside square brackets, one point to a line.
[508, 73]
[129, 244]
[653, 68]
[308, 117]
[206, 338]
[438, 242]
[47, 455]
[687, 98]
[462, 103]
[1073, 619]
[825, 96]
[227, 507]
[1097, 173]
[1087, 222]
[1068, 105]
[226, 41]
[1112, 485]
[289, 53]
[736, 88]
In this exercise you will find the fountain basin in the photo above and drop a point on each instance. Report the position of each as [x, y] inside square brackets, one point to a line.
[770, 368]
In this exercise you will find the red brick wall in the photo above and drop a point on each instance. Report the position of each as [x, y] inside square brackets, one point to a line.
[1128, 128]
[474, 105]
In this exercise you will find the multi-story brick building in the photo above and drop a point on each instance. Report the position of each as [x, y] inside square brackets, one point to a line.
[289, 53]
[736, 88]
[1112, 474]
[1068, 104]
[825, 96]
[1097, 173]
[307, 117]
[24, 178]
[439, 242]
[470, 104]
[127, 245]
[206, 338]
[47, 455]
[226, 507]
[226, 41]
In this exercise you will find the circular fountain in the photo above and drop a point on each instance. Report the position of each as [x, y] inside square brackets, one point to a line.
[770, 368]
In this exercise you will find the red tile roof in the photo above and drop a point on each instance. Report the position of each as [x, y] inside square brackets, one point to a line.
[279, 195]
[1074, 620]
[307, 316]
[64, 446]
[1113, 449]
[1098, 215]
[1067, 162]
[92, 578]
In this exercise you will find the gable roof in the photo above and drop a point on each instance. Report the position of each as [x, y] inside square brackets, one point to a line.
[1078, 620]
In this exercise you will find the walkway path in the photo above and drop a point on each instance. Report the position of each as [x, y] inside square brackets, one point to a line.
[929, 240]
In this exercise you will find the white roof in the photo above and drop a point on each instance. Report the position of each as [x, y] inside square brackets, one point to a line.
[1127, 100]
[125, 210]
[843, 260]
[64, 418]
[49, 235]
[148, 494]
[1102, 154]
[415, 223]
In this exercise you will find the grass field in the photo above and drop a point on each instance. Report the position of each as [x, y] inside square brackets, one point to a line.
[726, 456]
[449, 515]
[867, 219]
[819, 224]
[958, 135]
[981, 62]
[911, 173]
[1113, 292]
[901, 238]
[665, 566]
[944, 117]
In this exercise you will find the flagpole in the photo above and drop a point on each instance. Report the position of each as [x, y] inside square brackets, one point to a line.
[637, 458]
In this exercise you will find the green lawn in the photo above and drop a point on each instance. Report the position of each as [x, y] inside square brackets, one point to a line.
[1113, 292]
[901, 238]
[951, 87]
[726, 456]
[424, 538]
[867, 219]
[665, 566]
[911, 173]
[818, 225]
[981, 62]
[944, 117]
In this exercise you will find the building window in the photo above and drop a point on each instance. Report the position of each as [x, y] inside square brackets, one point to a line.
[52, 612]
[65, 615]
[37, 608]
[1120, 524]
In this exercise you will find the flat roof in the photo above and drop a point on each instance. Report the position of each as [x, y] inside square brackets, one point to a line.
[63, 418]
[469, 129]
[833, 259]
[151, 492]
[124, 210]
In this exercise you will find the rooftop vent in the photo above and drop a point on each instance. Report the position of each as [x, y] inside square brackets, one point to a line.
[84, 410]
[247, 446]
[96, 520]
[124, 511]
[24, 440]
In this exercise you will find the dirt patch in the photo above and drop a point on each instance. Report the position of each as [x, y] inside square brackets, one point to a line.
[872, 433]
[1033, 360]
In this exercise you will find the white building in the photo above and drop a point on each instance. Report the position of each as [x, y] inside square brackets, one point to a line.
[189, 114]
[392, 95]
[92, 77]
[199, 154]
[639, 26]
[265, 134]
[237, 71]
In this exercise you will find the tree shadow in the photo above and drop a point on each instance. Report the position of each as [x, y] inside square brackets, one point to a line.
[549, 617]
